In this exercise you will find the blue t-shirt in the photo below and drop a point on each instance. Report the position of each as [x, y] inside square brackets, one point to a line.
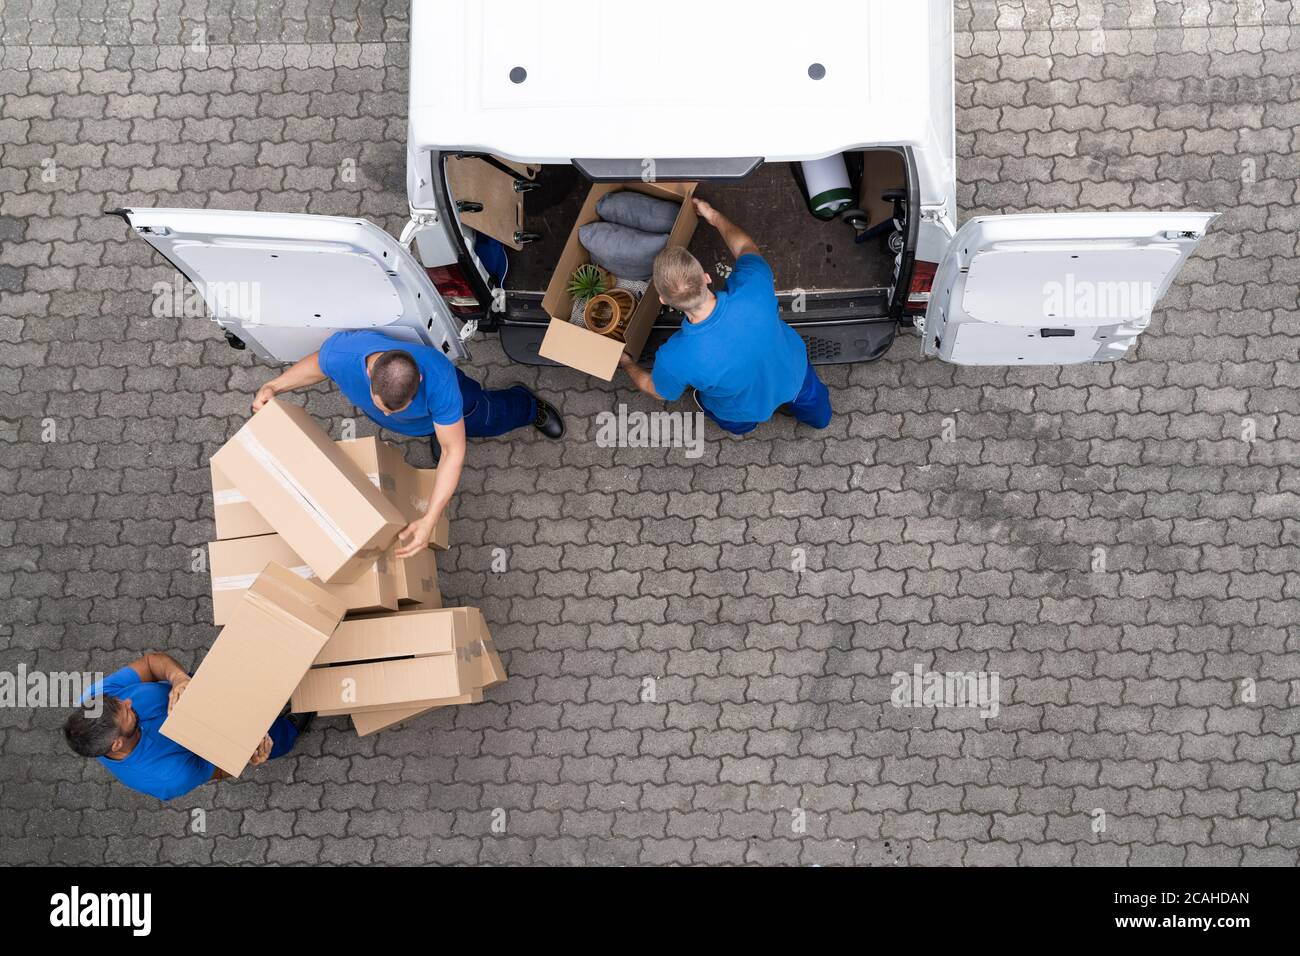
[745, 361]
[157, 765]
[343, 358]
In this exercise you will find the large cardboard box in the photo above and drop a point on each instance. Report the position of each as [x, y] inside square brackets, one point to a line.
[313, 495]
[417, 579]
[275, 633]
[387, 661]
[576, 346]
[236, 563]
[407, 487]
[486, 671]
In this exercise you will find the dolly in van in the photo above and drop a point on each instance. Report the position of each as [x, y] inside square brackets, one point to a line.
[511, 119]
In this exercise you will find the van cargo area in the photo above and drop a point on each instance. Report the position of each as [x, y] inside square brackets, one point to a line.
[846, 285]
[805, 252]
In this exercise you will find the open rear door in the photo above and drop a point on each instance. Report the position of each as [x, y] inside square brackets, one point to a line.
[284, 282]
[1055, 289]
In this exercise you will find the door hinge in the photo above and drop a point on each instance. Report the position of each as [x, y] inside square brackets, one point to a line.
[414, 224]
[939, 216]
[469, 330]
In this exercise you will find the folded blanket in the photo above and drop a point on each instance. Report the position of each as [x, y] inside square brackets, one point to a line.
[628, 253]
[628, 208]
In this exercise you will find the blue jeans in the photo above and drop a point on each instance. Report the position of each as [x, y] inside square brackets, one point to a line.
[283, 735]
[490, 412]
[812, 406]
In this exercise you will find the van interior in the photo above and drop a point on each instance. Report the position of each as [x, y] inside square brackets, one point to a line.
[840, 277]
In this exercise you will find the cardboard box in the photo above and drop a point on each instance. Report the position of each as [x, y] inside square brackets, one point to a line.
[574, 345]
[488, 671]
[417, 579]
[374, 721]
[275, 633]
[312, 494]
[387, 661]
[235, 563]
[407, 487]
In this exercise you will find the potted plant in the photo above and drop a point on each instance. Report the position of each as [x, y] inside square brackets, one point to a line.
[589, 281]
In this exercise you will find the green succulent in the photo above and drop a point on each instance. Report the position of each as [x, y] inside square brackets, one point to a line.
[586, 282]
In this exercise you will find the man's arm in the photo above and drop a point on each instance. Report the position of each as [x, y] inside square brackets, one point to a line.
[738, 241]
[304, 372]
[415, 536]
[640, 377]
[156, 666]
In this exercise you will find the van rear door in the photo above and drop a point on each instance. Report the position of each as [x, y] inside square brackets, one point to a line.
[1055, 289]
[284, 282]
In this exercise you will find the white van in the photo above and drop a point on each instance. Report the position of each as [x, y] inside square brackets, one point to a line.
[547, 98]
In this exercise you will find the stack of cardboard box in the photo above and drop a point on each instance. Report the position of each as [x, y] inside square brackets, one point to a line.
[305, 557]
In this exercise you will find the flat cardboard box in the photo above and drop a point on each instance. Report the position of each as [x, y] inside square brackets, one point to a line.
[407, 487]
[374, 721]
[312, 494]
[277, 630]
[235, 563]
[490, 672]
[577, 347]
[387, 661]
[416, 579]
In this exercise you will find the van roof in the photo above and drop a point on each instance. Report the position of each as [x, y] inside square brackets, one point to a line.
[566, 79]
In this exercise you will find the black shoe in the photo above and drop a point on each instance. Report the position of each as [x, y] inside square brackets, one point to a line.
[548, 420]
[436, 449]
[301, 721]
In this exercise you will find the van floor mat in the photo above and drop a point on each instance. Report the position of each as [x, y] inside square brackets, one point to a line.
[804, 251]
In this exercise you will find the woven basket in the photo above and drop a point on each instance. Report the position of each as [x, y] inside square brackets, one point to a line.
[609, 313]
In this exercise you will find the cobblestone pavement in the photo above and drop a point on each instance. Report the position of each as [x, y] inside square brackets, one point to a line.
[1101, 536]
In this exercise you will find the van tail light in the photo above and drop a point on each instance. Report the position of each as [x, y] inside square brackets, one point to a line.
[454, 288]
[918, 295]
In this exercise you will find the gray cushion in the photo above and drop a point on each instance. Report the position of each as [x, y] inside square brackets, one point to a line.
[626, 252]
[628, 208]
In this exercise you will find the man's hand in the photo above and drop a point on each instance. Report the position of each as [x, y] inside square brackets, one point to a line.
[706, 212]
[262, 752]
[178, 687]
[415, 536]
[264, 395]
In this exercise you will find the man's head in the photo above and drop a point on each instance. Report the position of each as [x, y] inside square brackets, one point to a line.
[394, 380]
[681, 280]
[101, 728]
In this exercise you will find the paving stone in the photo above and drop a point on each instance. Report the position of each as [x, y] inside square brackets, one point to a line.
[1121, 689]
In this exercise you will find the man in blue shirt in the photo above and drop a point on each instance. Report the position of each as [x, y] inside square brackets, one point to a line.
[118, 722]
[415, 390]
[743, 361]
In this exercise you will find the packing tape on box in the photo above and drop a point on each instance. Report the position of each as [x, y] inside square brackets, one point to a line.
[242, 582]
[233, 496]
[262, 455]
